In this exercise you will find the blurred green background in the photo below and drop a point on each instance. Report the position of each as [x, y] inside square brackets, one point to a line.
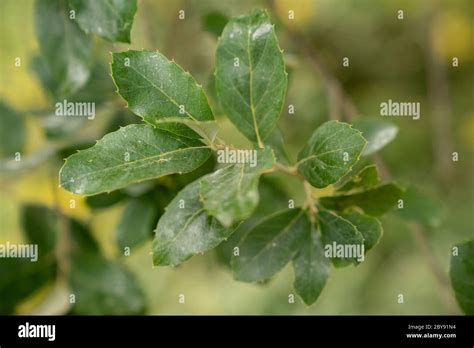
[389, 59]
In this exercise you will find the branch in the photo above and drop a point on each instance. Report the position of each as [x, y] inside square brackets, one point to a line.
[442, 279]
[338, 95]
[441, 113]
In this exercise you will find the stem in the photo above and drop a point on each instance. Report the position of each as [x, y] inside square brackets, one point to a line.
[63, 236]
[442, 280]
[441, 113]
[309, 201]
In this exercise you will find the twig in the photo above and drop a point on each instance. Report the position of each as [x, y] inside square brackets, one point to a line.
[337, 93]
[441, 278]
[63, 236]
[439, 104]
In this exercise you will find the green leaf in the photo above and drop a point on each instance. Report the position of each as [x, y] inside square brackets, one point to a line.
[277, 143]
[338, 234]
[12, 131]
[131, 154]
[377, 133]
[270, 245]
[368, 226]
[311, 269]
[375, 201]
[250, 75]
[366, 178]
[185, 229]
[136, 222]
[231, 194]
[104, 287]
[214, 22]
[330, 153]
[82, 241]
[110, 19]
[420, 207]
[20, 278]
[65, 49]
[39, 225]
[461, 273]
[23, 277]
[105, 200]
[272, 198]
[159, 90]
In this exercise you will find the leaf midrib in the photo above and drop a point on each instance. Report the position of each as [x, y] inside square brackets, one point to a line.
[252, 108]
[151, 158]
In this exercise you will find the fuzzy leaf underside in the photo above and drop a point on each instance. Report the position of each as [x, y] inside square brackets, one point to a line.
[56, 32]
[110, 19]
[231, 194]
[377, 133]
[185, 229]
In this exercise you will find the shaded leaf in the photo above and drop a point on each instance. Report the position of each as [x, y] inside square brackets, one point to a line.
[330, 153]
[110, 19]
[250, 75]
[375, 201]
[12, 131]
[185, 229]
[133, 153]
[461, 272]
[277, 143]
[56, 32]
[136, 223]
[370, 228]
[39, 224]
[105, 200]
[377, 133]
[104, 287]
[272, 198]
[214, 22]
[311, 269]
[20, 278]
[340, 234]
[71, 149]
[82, 241]
[98, 88]
[231, 194]
[420, 207]
[270, 245]
[366, 178]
